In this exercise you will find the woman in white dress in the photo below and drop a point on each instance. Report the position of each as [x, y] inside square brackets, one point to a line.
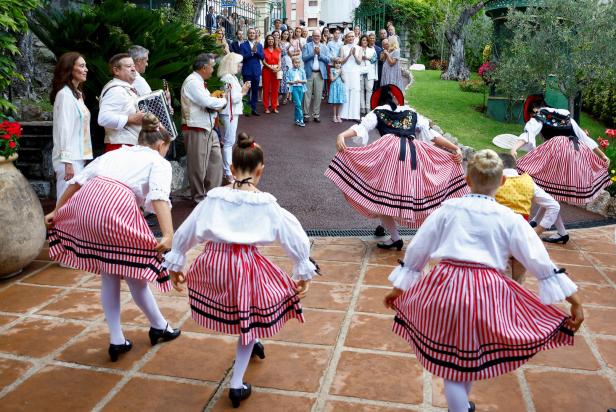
[229, 66]
[351, 61]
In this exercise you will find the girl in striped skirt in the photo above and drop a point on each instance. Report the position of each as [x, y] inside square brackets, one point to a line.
[97, 226]
[232, 288]
[569, 165]
[465, 319]
[403, 176]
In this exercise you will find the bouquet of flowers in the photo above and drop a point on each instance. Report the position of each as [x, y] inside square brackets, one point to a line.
[486, 71]
[10, 132]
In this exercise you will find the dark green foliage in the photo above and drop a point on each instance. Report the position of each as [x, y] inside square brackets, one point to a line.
[599, 99]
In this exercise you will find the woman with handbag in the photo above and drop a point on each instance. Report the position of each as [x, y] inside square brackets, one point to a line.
[271, 74]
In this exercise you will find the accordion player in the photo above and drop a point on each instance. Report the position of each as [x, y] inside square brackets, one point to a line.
[156, 103]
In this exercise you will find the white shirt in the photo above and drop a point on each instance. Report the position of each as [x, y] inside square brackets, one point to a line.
[369, 122]
[229, 215]
[71, 128]
[199, 109]
[475, 228]
[118, 101]
[141, 85]
[140, 168]
[533, 128]
[234, 97]
[543, 200]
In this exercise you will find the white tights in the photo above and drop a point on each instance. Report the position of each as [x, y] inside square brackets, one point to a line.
[389, 223]
[242, 357]
[139, 290]
[559, 224]
[457, 395]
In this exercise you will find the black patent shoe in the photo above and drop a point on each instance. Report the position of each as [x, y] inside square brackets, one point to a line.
[238, 395]
[394, 245]
[258, 350]
[164, 334]
[116, 350]
[561, 239]
[471, 408]
[379, 231]
[532, 223]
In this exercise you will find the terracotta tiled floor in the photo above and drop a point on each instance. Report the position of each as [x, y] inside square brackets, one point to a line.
[53, 346]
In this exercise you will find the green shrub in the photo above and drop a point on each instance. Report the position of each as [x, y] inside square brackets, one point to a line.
[599, 99]
[436, 64]
[99, 32]
[472, 86]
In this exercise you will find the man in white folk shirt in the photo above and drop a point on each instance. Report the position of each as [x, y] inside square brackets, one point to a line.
[118, 105]
[199, 111]
[140, 56]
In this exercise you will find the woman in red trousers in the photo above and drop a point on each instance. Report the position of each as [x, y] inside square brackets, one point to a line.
[271, 67]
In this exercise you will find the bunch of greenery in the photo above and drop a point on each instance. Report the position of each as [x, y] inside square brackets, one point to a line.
[13, 22]
[599, 99]
[472, 86]
[99, 32]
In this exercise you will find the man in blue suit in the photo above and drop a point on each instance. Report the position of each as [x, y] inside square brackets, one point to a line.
[252, 52]
[316, 58]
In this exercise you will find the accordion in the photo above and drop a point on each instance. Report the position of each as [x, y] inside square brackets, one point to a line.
[156, 103]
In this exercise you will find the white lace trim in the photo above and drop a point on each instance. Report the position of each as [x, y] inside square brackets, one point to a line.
[404, 278]
[304, 270]
[240, 196]
[556, 288]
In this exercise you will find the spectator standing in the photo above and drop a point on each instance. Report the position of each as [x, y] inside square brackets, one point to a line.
[239, 39]
[221, 41]
[335, 43]
[252, 52]
[336, 89]
[140, 56]
[296, 79]
[367, 72]
[378, 65]
[271, 68]
[357, 32]
[211, 20]
[284, 26]
[295, 50]
[382, 36]
[72, 144]
[392, 74]
[315, 59]
[199, 111]
[304, 39]
[391, 34]
[118, 112]
[351, 61]
[229, 116]
[285, 64]
[277, 25]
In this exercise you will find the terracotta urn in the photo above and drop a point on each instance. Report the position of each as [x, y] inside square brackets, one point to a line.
[22, 230]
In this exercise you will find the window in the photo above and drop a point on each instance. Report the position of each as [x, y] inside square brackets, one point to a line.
[312, 23]
[293, 16]
[293, 7]
[313, 3]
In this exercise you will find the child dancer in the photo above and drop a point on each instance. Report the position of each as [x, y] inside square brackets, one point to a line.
[97, 227]
[336, 89]
[296, 80]
[465, 320]
[518, 193]
[232, 288]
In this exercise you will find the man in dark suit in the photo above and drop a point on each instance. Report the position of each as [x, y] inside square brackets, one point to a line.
[239, 39]
[210, 20]
[378, 49]
[252, 52]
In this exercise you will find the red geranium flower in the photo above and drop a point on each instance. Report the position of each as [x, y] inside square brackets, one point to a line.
[6, 136]
[611, 133]
[12, 145]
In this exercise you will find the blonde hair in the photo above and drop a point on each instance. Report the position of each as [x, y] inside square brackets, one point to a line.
[229, 64]
[393, 43]
[485, 170]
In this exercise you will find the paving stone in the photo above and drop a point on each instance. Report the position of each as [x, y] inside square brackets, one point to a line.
[348, 241]
[385, 257]
[261, 401]
[339, 406]
[34, 266]
[603, 259]
[377, 275]
[289, 367]
[22, 298]
[76, 304]
[600, 320]
[4, 319]
[371, 300]
[91, 349]
[595, 244]
[374, 332]
[56, 276]
[379, 377]
[58, 388]
[37, 337]
[597, 295]
[340, 272]
[328, 296]
[341, 253]
[10, 370]
[172, 308]
[142, 394]
[587, 274]
[502, 393]
[610, 273]
[563, 391]
[572, 257]
[578, 356]
[320, 328]
[607, 349]
[202, 357]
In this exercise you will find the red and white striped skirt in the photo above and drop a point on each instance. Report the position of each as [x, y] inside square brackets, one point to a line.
[468, 322]
[234, 289]
[377, 183]
[101, 229]
[569, 175]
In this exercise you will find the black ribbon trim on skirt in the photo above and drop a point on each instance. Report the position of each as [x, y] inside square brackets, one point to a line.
[563, 190]
[213, 305]
[531, 346]
[100, 247]
[252, 324]
[410, 139]
[432, 201]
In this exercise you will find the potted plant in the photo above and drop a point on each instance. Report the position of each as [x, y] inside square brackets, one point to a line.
[22, 231]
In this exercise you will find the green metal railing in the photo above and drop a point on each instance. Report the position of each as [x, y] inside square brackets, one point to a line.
[277, 10]
[231, 14]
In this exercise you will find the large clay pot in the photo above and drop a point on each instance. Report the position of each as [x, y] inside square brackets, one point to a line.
[22, 230]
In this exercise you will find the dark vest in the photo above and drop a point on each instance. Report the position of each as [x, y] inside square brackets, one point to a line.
[401, 124]
[554, 124]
